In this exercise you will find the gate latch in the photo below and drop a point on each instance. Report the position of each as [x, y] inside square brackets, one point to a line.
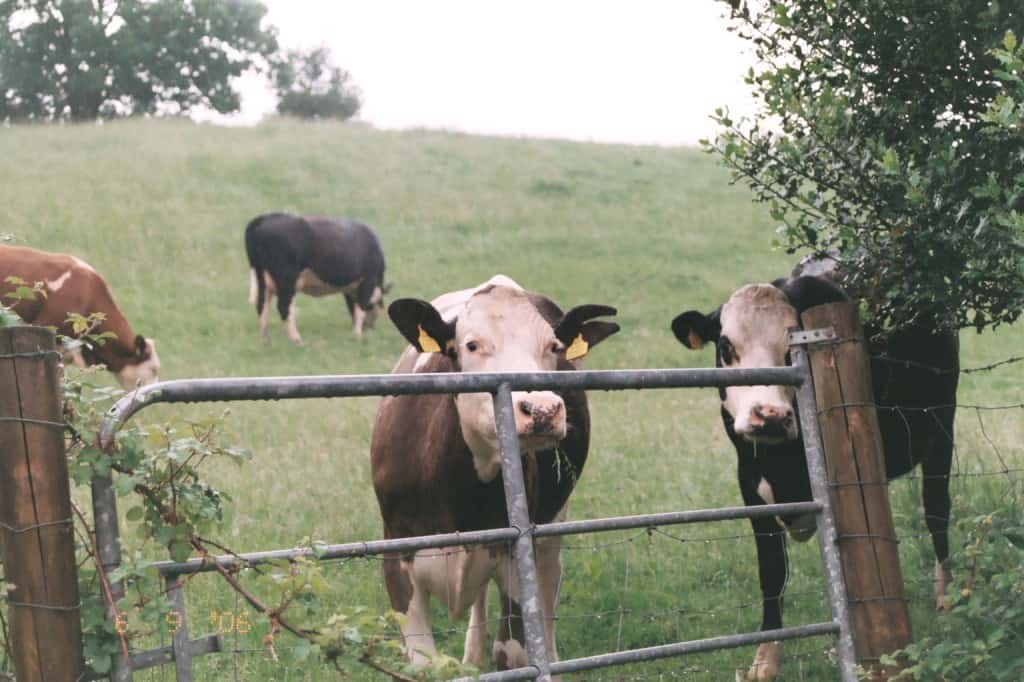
[803, 337]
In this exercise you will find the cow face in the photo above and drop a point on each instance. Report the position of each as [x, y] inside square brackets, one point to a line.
[143, 367]
[376, 306]
[751, 330]
[501, 329]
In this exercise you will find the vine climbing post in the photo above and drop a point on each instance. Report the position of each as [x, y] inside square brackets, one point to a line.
[35, 510]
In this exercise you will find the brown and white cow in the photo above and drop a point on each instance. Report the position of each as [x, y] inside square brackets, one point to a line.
[751, 330]
[70, 285]
[436, 464]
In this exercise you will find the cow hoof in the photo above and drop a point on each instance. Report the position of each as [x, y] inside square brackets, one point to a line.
[766, 662]
[942, 580]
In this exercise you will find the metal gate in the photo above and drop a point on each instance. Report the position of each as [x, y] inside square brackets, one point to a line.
[521, 532]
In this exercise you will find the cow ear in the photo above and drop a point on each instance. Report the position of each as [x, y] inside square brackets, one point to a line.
[579, 333]
[140, 346]
[808, 291]
[421, 325]
[694, 329]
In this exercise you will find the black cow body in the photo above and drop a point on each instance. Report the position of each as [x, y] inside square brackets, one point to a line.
[318, 256]
[916, 406]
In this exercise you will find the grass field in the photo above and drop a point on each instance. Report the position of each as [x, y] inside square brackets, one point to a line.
[159, 209]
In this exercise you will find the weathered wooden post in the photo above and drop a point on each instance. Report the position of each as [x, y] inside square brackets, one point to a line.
[860, 494]
[35, 511]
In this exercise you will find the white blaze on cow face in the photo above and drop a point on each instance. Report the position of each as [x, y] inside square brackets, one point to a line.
[500, 330]
[755, 326]
[146, 371]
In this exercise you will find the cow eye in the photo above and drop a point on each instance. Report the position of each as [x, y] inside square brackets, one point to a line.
[471, 346]
[557, 347]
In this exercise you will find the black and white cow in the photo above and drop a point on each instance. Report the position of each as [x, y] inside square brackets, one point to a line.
[437, 468]
[750, 330]
[289, 254]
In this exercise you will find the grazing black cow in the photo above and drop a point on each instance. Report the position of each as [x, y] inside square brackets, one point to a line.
[289, 254]
[437, 467]
[750, 330]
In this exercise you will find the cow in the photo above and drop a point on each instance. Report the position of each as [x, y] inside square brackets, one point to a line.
[436, 464]
[70, 285]
[291, 254]
[914, 367]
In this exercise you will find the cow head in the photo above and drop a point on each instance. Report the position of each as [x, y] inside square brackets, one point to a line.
[376, 305]
[751, 330]
[143, 367]
[505, 329]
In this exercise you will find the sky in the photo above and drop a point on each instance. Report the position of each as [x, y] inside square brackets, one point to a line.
[630, 71]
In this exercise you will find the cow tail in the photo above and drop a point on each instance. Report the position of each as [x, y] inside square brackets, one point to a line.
[257, 283]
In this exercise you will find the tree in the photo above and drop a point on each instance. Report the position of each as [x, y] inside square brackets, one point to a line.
[309, 86]
[891, 133]
[83, 59]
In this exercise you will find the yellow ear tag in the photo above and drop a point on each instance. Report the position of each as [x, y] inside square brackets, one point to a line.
[427, 343]
[577, 349]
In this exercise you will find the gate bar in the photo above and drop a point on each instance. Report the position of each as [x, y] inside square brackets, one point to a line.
[652, 653]
[340, 386]
[807, 406]
[479, 537]
[528, 578]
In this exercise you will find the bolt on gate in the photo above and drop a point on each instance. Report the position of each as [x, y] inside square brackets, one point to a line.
[521, 532]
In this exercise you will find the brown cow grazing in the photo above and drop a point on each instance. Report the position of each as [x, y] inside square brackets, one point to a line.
[71, 285]
[437, 468]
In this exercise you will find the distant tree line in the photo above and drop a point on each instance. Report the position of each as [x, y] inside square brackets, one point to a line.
[81, 60]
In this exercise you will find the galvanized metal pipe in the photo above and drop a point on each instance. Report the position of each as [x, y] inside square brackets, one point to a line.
[519, 518]
[479, 537]
[281, 388]
[664, 651]
[344, 551]
[807, 406]
[108, 544]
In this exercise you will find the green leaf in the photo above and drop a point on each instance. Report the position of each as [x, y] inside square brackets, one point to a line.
[134, 514]
[179, 550]
[1010, 41]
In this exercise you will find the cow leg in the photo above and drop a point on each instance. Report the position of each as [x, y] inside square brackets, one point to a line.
[358, 318]
[412, 600]
[773, 570]
[510, 642]
[476, 634]
[286, 308]
[265, 316]
[549, 572]
[935, 496]
[351, 304]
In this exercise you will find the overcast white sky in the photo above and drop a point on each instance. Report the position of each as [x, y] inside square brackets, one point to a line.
[635, 71]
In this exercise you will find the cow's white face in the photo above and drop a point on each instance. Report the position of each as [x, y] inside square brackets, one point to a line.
[750, 331]
[144, 368]
[755, 324]
[500, 330]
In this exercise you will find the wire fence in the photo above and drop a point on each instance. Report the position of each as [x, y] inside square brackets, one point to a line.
[987, 471]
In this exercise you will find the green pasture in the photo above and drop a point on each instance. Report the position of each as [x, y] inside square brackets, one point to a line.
[159, 207]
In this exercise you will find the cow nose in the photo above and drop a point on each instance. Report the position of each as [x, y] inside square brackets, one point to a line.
[540, 413]
[765, 415]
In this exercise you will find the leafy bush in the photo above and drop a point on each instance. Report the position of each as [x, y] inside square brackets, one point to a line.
[981, 639]
[891, 134]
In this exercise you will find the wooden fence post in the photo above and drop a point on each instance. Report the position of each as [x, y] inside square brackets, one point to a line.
[860, 495]
[35, 511]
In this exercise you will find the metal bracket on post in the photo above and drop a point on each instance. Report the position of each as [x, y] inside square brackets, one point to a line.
[827, 537]
[800, 337]
[519, 517]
